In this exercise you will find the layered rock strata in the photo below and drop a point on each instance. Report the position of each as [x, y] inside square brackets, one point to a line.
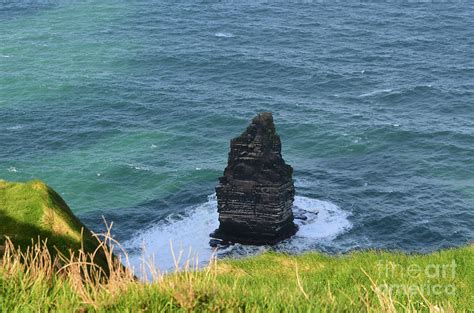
[255, 195]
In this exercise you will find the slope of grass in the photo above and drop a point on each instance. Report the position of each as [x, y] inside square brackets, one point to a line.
[33, 210]
[32, 281]
[361, 281]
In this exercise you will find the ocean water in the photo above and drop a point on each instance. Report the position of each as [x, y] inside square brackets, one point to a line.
[126, 108]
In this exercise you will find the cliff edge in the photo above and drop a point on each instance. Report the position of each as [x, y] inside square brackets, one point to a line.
[33, 210]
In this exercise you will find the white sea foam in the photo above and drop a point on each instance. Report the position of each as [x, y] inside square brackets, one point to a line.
[189, 233]
[12, 169]
[325, 219]
[375, 92]
[16, 127]
[139, 167]
[224, 34]
[303, 182]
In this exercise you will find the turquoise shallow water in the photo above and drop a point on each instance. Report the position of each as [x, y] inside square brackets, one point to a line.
[127, 108]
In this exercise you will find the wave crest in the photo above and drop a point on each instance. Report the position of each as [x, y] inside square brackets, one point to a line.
[224, 34]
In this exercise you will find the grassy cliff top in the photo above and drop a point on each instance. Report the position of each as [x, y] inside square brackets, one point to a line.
[374, 281]
[366, 281]
[33, 209]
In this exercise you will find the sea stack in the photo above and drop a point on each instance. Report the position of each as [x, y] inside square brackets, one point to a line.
[255, 195]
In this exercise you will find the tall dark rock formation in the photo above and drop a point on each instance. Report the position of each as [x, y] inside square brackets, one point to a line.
[255, 195]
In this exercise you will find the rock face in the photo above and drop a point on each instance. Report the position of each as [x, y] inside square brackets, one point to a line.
[255, 195]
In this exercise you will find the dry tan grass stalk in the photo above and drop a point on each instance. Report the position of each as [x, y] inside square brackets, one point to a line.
[91, 281]
[298, 280]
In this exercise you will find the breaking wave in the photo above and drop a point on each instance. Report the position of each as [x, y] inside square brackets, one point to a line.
[224, 34]
[186, 236]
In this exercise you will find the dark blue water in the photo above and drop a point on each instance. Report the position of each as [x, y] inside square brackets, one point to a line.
[127, 108]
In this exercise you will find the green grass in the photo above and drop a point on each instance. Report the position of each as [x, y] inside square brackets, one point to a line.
[375, 281]
[33, 210]
[267, 283]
